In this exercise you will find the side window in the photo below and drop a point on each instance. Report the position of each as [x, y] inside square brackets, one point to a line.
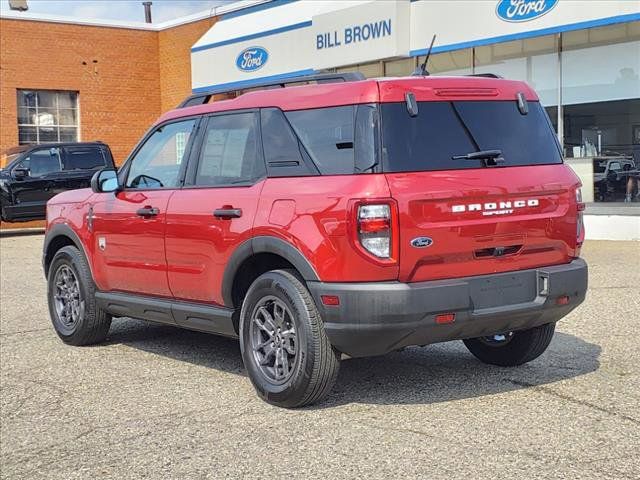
[157, 163]
[282, 149]
[83, 158]
[42, 162]
[327, 134]
[230, 151]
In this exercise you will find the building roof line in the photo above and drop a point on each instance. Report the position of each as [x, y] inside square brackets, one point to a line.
[154, 27]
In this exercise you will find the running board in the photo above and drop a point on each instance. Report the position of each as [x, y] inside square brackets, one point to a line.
[194, 316]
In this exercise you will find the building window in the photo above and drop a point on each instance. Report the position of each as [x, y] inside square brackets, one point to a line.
[457, 62]
[181, 145]
[534, 60]
[601, 109]
[47, 116]
[369, 70]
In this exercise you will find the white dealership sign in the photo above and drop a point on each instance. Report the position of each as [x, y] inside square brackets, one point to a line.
[286, 39]
[359, 34]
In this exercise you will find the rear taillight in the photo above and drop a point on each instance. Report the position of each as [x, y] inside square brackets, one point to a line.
[374, 229]
[580, 206]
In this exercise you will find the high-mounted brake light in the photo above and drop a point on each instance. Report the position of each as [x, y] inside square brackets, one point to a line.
[374, 229]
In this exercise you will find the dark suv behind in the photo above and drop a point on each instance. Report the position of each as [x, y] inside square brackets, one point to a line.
[35, 173]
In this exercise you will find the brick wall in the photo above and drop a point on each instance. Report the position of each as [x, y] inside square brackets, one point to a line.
[175, 61]
[138, 75]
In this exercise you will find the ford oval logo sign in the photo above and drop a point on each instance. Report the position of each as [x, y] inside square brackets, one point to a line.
[252, 59]
[421, 242]
[523, 10]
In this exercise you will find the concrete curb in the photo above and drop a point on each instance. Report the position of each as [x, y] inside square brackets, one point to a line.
[18, 232]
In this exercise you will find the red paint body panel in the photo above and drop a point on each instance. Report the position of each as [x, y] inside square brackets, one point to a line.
[199, 245]
[70, 208]
[433, 89]
[134, 257]
[545, 234]
[319, 225]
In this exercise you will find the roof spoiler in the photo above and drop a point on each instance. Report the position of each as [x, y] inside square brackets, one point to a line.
[201, 98]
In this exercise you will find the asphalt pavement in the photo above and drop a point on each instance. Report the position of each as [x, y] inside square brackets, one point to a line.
[162, 403]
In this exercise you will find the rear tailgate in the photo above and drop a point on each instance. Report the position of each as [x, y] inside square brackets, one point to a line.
[463, 215]
[484, 220]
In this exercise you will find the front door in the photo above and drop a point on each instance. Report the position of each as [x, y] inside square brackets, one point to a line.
[128, 227]
[33, 191]
[214, 212]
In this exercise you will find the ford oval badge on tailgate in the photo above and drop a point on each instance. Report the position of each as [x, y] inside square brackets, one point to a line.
[421, 242]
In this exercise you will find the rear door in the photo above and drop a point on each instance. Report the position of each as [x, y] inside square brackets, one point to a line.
[463, 217]
[214, 212]
[79, 163]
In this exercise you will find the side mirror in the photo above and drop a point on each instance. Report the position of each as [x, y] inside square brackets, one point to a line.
[105, 180]
[20, 173]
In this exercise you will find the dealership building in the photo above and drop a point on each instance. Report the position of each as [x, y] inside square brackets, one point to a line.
[582, 57]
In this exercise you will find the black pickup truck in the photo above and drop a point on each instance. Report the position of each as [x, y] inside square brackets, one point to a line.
[35, 173]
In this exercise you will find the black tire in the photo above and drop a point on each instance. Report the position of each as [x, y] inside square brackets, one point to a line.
[91, 324]
[521, 347]
[3, 213]
[315, 365]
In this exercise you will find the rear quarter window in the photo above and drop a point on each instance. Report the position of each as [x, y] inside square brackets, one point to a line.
[327, 134]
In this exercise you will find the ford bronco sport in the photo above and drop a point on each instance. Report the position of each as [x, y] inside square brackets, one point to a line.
[343, 216]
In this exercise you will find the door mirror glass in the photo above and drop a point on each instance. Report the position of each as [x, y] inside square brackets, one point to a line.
[105, 180]
[20, 172]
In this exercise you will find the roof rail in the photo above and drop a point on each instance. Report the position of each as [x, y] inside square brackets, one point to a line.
[204, 97]
[485, 75]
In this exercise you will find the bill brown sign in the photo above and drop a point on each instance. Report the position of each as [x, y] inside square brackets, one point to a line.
[360, 34]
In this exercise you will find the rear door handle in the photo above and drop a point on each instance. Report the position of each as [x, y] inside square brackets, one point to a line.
[148, 211]
[227, 213]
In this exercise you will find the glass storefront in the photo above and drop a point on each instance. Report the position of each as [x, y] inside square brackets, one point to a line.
[601, 108]
[588, 81]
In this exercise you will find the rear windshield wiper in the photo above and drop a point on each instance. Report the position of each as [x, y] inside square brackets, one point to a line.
[491, 157]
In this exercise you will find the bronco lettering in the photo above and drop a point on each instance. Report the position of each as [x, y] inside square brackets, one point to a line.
[491, 208]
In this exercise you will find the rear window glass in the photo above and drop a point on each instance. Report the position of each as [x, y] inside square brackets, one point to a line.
[84, 158]
[442, 130]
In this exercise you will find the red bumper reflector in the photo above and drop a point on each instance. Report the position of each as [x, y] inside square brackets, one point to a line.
[562, 300]
[445, 318]
[331, 300]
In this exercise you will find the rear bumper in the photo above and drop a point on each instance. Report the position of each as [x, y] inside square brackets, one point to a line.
[376, 318]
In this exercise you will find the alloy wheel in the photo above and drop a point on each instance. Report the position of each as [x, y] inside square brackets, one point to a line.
[68, 300]
[274, 339]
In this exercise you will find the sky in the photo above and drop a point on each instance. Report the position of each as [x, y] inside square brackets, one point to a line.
[161, 10]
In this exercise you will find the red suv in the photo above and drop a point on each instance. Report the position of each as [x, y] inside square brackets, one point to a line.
[342, 216]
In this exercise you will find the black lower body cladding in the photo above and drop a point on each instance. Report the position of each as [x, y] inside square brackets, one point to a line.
[376, 318]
